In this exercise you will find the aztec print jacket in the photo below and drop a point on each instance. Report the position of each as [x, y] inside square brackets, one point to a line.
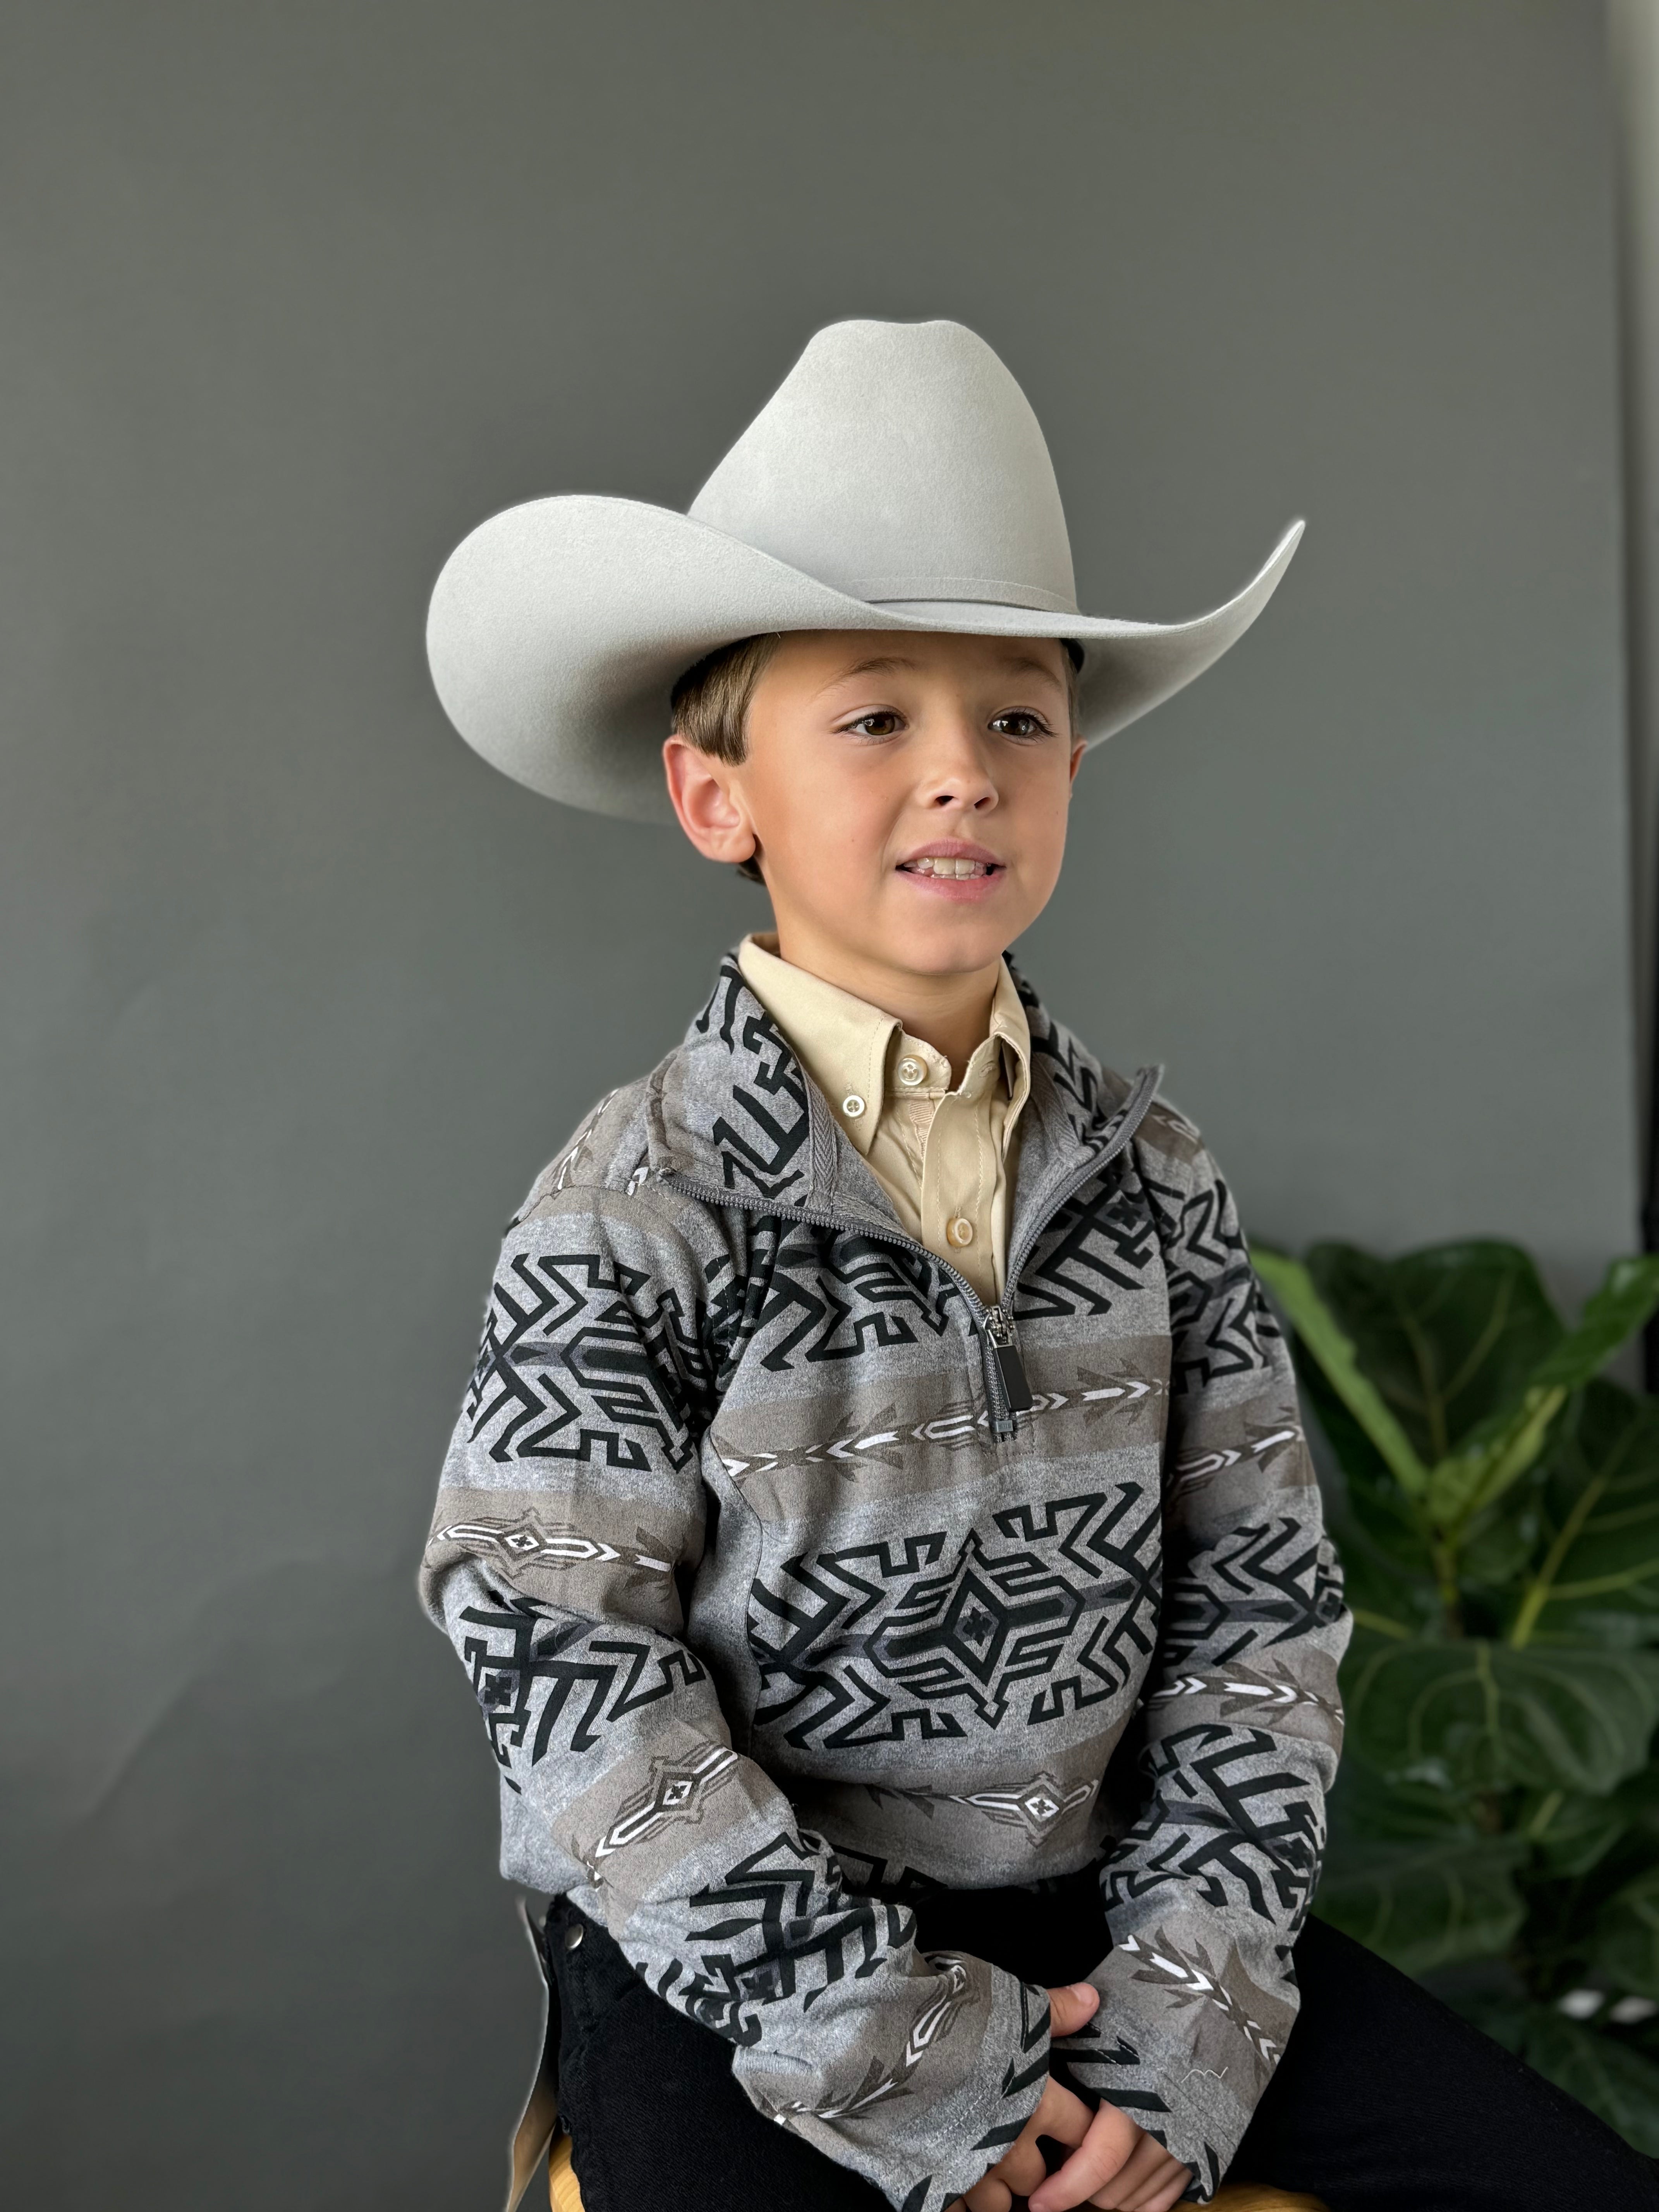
[790, 1580]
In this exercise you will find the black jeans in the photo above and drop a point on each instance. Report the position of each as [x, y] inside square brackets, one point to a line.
[1384, 2100]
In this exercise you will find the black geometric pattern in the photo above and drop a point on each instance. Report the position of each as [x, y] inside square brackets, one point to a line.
[572, 1335]
[1219, 1319]
[775, 1929]
[1073, 1075]
[760, 1131]
[1052, 1611]
[817, 1296]
[598, 1674]
[1262, 1584]
[1101, 1241]
[1225, 1821]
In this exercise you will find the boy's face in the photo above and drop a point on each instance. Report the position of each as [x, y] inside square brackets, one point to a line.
[907, 793]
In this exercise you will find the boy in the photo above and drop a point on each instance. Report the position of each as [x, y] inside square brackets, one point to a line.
[879, 1532]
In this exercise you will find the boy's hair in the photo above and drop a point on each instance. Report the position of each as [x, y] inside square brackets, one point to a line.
[709, 704]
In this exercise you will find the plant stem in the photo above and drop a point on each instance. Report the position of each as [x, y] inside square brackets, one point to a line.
[1381, 1624]
[1445, 1576]
[1538, 1590]
[1489, 1812]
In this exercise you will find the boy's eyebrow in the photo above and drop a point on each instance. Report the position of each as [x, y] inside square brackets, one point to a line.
[887, 664]
[1026, 664]
[879, 664]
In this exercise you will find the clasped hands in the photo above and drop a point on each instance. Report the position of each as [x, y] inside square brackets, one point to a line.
[1113, 2164]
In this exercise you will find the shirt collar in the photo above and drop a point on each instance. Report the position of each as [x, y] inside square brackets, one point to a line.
[849, 1047]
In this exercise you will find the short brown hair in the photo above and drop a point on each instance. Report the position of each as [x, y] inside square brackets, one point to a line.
[709, 705]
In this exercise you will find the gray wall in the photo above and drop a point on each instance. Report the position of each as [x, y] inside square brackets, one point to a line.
[1633, 30]
[297, 995]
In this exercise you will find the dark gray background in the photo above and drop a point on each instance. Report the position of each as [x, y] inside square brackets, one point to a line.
[297, 995]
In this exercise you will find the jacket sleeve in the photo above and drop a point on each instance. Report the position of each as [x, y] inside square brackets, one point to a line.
[570, 1523]
[1241, 1725]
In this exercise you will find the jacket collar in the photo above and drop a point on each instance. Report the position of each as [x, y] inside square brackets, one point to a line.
[851, 1049]
[732, 1111]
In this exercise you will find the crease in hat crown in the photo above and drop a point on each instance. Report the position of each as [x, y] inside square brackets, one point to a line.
[900, 462]
[897, 480]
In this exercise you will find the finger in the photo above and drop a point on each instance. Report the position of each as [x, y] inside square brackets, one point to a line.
[1146, 2164]
[990, 2196]
[1147, 2179]
[1060, 2113]
[1099, 2158]
[1071, 2006]
[1021, 2167]
[1163, 2194]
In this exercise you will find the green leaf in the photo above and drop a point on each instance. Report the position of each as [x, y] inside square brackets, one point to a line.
[1468, 1481]
[1377, 1586]
[1391, 1523]
[1498, 1452]
[1625, 1947]
[1426, 1903]
[1628, 1621]
[1479, 1715]
[1570, 1832]
[1628, 1295]
[1500, 1545]
[1293, 1287]
[1601, 1505]
[1365, 1807]
[1450, 1336]
[1613, 2080]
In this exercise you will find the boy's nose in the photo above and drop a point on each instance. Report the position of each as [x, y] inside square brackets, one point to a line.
[957, 773]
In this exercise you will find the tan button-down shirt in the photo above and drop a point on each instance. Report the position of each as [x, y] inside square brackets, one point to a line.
[945, 1157]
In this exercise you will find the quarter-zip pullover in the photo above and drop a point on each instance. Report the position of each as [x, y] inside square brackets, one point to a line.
[780, 1606]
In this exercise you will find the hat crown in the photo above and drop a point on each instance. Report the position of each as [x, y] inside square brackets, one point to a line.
[900, 462]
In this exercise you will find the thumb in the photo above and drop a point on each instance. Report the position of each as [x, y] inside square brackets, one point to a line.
[1071, 2006]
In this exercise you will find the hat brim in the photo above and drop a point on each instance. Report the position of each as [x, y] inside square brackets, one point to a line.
[558, 629]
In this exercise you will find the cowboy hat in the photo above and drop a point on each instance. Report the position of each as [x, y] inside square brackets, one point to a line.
[897, 480]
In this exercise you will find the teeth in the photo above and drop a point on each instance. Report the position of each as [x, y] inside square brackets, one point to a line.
[933, 865]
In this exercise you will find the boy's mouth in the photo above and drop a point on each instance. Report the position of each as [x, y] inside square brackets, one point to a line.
[954, 859]
[933, 864]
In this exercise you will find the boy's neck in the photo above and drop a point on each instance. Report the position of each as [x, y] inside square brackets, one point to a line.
[952, 1013]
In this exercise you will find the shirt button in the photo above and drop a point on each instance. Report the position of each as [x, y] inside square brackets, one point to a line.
[961, 1230]
[911, 1072]
[852, 1105]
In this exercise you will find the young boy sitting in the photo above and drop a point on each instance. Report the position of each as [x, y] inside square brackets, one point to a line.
[879, 1531]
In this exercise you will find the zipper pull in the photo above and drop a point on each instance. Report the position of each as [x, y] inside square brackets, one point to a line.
[999, 1334]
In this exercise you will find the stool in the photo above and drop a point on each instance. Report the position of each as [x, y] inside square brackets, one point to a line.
[1241, 2196]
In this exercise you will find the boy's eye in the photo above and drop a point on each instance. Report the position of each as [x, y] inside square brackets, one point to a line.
[1018, 723]
[880, 724]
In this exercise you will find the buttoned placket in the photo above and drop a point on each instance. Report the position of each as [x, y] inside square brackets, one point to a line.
[959, 1170]
[944, 1155]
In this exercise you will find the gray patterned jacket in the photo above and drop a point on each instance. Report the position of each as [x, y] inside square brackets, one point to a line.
[775, 1606]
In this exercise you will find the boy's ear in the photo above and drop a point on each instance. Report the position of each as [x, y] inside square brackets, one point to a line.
[1077, 751]
[710, 810]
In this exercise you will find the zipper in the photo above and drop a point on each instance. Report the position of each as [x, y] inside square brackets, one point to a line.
[1007, 1390]
[1004, 1340]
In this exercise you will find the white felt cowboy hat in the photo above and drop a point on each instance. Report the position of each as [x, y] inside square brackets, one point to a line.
[897, 480]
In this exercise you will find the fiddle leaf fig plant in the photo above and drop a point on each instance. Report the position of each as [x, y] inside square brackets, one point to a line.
[1495, 1824]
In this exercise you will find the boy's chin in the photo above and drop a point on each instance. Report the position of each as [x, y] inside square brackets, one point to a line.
[923, 936]
[961, 943]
